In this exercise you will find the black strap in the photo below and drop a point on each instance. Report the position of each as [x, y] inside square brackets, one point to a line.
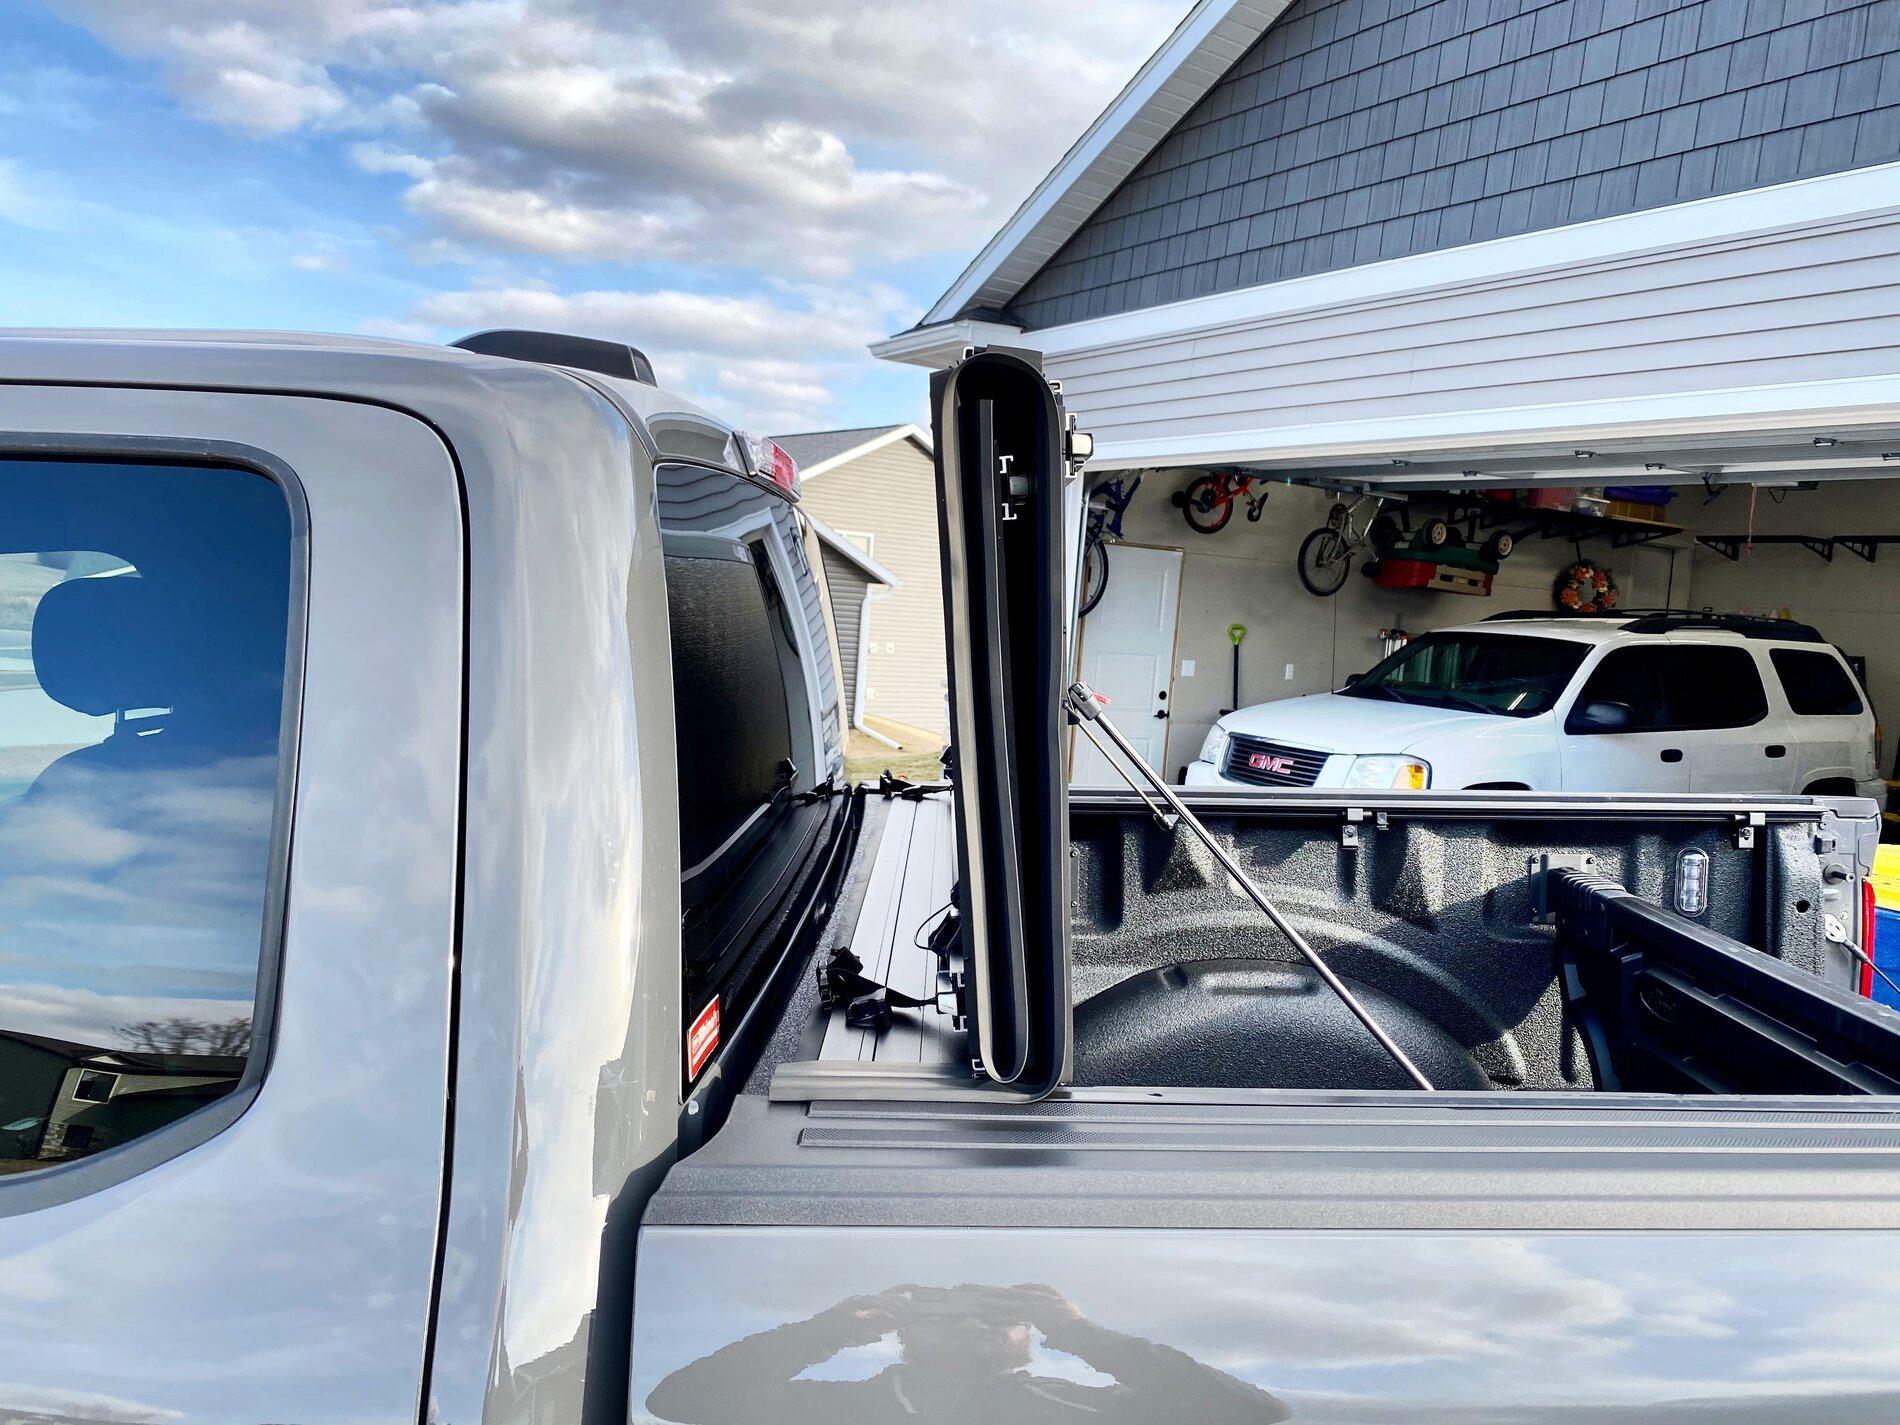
[868, 1004]
[889, 785]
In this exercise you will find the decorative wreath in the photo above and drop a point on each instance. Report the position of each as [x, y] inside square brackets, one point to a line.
[1585, 588]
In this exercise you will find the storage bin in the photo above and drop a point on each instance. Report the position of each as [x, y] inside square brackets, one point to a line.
[1886, 879]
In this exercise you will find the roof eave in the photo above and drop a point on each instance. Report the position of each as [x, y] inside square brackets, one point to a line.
[916, 434]
[939, 345]
[873, 571]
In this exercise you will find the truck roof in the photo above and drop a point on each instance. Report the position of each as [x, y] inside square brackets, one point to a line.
[390, 370]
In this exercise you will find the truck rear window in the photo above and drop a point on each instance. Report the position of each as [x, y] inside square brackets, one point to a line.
[734, 726]
[144, 615]
[1817, 684]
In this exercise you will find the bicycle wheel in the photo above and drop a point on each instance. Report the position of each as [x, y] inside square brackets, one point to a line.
[1325, 561]
[1094, 573]
[1206, 512]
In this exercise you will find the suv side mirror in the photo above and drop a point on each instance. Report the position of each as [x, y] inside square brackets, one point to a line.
[1602, 717]
[1352, 678]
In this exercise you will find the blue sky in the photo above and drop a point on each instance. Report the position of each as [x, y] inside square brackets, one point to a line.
[749, 190]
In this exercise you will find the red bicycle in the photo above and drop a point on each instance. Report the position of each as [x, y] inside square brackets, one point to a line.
[1208, 503]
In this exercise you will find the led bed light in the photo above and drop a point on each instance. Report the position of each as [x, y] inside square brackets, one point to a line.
[1692, 882]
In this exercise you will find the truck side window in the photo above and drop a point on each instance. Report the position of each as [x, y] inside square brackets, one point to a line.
[1817, 684]
[144, 617]
[1679, 687]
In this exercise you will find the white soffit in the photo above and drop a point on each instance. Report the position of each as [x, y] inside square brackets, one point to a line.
[1203, 47]
[1755, 212]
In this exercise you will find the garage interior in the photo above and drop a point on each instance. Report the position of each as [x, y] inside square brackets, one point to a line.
[1792, 523]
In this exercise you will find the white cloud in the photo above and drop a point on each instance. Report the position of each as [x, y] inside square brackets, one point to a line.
[748, 141]
[61, 1403]
[810, 139]
[767, 362]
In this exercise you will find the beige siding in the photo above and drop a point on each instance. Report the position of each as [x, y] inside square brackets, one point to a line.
[891, 494]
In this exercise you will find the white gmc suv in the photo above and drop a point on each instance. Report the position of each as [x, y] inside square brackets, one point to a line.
[1633, 702]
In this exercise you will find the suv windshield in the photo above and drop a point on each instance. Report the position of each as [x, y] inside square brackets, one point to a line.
[1506, 674]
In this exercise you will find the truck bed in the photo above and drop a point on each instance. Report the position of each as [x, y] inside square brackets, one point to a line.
[1432, 905]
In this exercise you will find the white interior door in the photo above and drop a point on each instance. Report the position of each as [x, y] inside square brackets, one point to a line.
[1128, 657]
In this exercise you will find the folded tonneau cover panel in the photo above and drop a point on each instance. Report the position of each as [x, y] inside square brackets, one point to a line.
[907, 891]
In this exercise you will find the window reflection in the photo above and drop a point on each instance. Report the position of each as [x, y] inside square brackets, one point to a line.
[143, 618]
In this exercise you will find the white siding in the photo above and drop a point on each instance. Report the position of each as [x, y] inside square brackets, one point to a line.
[1805, 304]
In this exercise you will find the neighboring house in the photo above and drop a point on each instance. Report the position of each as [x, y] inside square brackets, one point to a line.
[95, 1098]
[877, 488]
[855, 580]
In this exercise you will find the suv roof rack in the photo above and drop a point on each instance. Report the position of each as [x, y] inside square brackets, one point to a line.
[1511, 615]
[1669, 620]
[607, 358]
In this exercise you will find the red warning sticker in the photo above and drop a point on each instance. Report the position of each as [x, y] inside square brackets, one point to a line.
[702, 1037]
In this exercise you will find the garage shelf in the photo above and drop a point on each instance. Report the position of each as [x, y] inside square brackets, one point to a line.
[1571, 524]
[1863, 546]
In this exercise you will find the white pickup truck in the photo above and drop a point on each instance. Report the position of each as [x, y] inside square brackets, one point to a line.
[1638, 701]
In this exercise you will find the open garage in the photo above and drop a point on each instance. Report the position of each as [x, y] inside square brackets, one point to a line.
[1196, 624]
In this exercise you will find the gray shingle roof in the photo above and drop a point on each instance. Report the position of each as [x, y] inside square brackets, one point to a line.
[810, 447]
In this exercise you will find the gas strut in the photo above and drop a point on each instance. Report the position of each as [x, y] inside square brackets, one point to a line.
[1084, 709]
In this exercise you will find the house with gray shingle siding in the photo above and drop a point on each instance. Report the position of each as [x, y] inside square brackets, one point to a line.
[1311, 231]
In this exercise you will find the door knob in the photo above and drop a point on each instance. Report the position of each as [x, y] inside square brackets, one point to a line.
[1162, 714]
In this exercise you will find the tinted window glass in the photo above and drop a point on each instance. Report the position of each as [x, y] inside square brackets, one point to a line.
[143, 618]
[1508, 674]
[1678, 687]
[735, 732]
[1817, 684]
[1632, 677]
[1712, 687]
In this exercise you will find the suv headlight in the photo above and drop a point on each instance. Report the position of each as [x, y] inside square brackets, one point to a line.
[1211, 744]
[1389, 774]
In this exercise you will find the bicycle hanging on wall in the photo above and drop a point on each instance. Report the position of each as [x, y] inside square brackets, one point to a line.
[1326, 554]
[1108, 502]
[1208, 502]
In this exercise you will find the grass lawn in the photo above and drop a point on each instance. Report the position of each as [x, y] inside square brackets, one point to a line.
[865, 757]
